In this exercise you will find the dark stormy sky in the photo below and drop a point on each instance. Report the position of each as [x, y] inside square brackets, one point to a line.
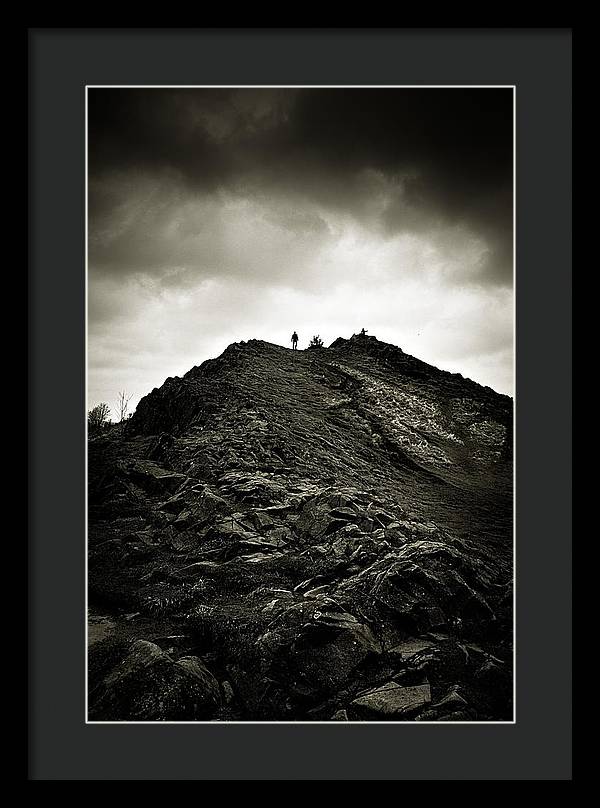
[217, 215]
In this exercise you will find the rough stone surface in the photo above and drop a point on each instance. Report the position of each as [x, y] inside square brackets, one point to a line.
[148, 685]
[392, 701]
[330, 531]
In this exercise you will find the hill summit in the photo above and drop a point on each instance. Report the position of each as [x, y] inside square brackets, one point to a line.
[304, 535]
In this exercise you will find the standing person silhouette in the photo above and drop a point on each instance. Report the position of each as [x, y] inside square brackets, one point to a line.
[294, 341]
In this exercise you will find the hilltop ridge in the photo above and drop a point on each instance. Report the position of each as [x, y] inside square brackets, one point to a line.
[336, 522]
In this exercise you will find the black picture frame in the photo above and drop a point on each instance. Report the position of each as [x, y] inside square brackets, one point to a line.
[61, 63]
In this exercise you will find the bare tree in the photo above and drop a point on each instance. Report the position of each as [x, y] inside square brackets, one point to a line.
[123, 405]
[316, 342]
[98, 417]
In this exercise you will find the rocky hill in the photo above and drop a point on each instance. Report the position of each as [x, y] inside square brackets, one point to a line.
[313, 535]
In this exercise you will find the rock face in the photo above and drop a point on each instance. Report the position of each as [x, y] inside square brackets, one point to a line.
[147, 685]
[309, 535]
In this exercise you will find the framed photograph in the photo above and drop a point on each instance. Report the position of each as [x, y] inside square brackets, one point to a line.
[305, 391]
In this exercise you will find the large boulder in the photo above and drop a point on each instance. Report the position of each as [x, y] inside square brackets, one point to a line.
[330, 511]
[428, 584]
[149, 685]
[150, 477]
[195, 506]
[315, 648]
[252, 488]
[392, 701]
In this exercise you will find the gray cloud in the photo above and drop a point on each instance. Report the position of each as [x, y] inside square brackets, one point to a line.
[239, 211]
[444, 154]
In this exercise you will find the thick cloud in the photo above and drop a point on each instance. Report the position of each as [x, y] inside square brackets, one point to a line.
[358, 203]
[441, 155]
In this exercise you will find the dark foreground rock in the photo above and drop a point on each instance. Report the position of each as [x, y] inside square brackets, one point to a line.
[325, 535]
[148, 685]
[392, 700]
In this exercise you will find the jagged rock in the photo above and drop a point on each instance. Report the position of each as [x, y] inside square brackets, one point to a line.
[316, 647]
[269, 542]
[282, 534]
[316, 592]
[318, 525]
[182, 541]
[161, 447]
[315, 520]
[344, 546]
[251, 488]
[261, 521]
[194, 570]
[452, 701]
[391, 701]
[258, 558]
[443, 662]
[422, 584]
[345, 514]
[407, 650]
[148, 685]
[195, 505]
[384, 518]
[150, 477]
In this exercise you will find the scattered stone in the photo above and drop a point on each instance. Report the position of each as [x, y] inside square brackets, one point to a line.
[392, 701]
[151, 477]
[148, 685]
[453, 699]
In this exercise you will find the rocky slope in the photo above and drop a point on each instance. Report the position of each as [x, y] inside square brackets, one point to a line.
[310, 535]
